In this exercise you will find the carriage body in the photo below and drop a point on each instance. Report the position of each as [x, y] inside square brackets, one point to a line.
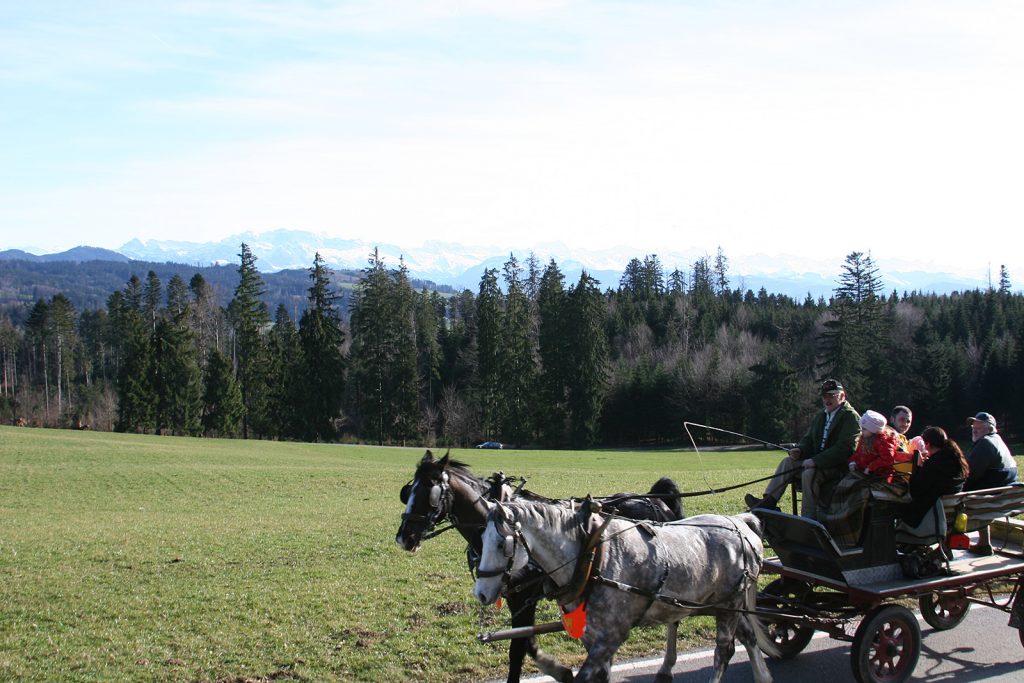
[853, 594]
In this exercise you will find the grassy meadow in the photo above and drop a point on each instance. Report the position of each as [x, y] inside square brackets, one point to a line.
[126, 557]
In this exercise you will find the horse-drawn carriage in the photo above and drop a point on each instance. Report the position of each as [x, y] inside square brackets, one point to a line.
[855, 594]
[858, 594]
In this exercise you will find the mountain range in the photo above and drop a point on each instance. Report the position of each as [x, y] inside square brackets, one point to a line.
[461, 265]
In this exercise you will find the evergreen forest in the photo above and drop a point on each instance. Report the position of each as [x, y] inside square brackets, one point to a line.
[528, 359]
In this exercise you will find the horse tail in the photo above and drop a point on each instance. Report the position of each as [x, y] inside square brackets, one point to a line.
[764, 641]
[666, 487]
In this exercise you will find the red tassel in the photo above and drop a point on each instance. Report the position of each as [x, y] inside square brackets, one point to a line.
[575, 622]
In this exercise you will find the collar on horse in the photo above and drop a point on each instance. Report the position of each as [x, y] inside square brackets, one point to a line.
[592, 555]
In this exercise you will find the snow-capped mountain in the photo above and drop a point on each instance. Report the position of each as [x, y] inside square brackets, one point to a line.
[462, 265]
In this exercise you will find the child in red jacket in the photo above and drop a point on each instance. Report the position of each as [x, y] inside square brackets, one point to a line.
[876, 448]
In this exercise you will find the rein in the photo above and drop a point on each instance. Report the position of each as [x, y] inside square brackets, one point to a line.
[691, 494]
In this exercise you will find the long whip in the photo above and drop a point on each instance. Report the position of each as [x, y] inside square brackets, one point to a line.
[688, 424]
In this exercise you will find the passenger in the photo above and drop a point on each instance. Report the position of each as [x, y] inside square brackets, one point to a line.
[991, 465]
[876, 447]
[819, 461]
[942, 470]
[900, 420]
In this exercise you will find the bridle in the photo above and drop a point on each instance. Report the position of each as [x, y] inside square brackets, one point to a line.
[588, 558]
[509, 543]
[439, 504]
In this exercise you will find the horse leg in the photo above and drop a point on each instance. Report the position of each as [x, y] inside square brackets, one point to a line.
[725, 642]
[524, 613]
[665, 672]
[602, 640]
[747, 636]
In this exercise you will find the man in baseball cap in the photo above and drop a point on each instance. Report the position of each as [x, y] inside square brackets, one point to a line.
[991, 465]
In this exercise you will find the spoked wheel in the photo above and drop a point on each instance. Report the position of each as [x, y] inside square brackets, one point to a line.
[945, 610]
[788, 638]
[886, 646]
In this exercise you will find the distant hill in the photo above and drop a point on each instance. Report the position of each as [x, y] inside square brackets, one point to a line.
[89, 284]
[75, 255]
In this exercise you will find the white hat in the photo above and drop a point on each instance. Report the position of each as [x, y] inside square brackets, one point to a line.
[872, 421]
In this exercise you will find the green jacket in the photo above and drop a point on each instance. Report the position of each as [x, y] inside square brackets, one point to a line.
[842, 440]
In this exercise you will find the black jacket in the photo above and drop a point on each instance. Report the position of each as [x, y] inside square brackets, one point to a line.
[940, 475]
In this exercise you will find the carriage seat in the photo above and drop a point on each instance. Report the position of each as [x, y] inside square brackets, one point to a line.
[984, 506]
[932, 528]
[805, 544]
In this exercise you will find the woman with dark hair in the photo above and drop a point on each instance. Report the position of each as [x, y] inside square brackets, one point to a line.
[942, 472]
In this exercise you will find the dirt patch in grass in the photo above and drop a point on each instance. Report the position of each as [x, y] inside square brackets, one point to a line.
[446, 609]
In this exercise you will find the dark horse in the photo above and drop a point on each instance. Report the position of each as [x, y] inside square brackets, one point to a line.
[446, 490]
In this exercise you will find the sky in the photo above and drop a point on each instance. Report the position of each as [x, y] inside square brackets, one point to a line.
[804, 128]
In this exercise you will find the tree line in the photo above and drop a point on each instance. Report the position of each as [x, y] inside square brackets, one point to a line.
[527, 359]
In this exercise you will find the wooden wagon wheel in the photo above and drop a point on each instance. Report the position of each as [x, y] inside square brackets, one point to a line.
[789, 638]
[943, 611]
[886, 646]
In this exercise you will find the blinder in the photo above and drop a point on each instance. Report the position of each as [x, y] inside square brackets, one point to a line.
[510, 546]
[403, 495]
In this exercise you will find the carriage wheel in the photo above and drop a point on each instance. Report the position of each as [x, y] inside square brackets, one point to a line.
[886, 646]
[944, 610]
[789, 638]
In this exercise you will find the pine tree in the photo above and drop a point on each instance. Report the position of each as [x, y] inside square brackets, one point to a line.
[405, 383]
[429, 322]
[222, 398]
[152, 293]
[285, 364]
[489, 353]
[721, 273]
[136, 398]
[1004, 280]
[177, 379]
[37, 337]
[249, 317]
[61, 328]
[322, 366]
[177, 296]
[383, 353]
[772, 398]
[553, 348]
[589, 361]
[518, 369]
[856, 332]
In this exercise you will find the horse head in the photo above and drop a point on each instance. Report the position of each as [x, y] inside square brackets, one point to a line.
[502, 553]
[427, 499]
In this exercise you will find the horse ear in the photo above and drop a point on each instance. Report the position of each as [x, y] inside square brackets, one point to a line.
[427, 457]
[443, 461]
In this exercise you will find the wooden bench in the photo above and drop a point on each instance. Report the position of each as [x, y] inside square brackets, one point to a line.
[984, 506]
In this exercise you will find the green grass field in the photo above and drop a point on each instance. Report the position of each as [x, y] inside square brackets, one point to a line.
[140, 558]
[128, 557]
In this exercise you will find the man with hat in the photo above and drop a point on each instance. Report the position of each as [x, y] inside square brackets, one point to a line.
[991, 465]
[820, 460]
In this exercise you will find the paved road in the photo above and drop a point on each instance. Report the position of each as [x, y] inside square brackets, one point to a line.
[982, 648]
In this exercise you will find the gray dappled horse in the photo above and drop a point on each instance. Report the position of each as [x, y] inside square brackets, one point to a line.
[649, 574]
[447, 490]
